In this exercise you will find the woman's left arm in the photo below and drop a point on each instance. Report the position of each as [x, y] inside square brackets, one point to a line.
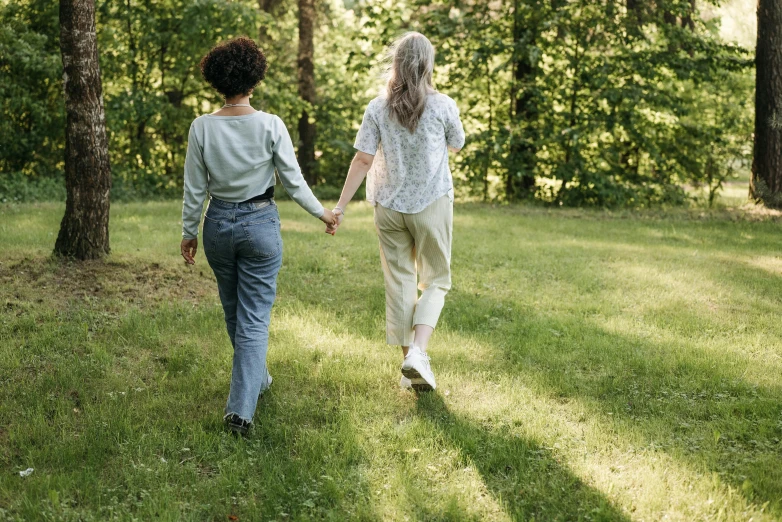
[454, 131]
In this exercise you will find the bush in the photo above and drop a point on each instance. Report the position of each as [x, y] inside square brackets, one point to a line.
[20, 188]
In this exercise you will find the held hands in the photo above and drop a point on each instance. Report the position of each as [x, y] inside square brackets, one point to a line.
[339, 215]
[329, 218]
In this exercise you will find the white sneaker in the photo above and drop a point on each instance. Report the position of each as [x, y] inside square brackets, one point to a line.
[267, 388]
[416, 367]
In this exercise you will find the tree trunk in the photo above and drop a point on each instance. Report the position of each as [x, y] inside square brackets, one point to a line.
[766, 183]
[267, 6]
[687, 20]
[84, 231]
[487, 165]
[307, 90]
[520, 181]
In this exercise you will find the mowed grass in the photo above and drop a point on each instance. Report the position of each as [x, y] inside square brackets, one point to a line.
[591, 366]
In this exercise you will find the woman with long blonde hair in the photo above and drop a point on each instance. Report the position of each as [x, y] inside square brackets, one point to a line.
[402, 149]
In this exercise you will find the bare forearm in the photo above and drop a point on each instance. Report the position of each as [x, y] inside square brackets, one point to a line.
[356, 174]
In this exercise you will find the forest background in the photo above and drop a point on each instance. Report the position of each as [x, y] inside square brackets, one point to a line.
[573, 103]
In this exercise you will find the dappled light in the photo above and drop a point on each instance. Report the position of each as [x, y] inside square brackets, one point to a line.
[363, 260]
[584, 378]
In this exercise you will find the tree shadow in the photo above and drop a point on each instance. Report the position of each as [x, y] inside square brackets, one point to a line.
[674, 393]
[522, 477]
[141, 435]
[528, 480]
[680, 398]
[658, 380]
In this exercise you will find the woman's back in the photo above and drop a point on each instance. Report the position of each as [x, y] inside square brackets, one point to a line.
[233, 158]
[410, 169]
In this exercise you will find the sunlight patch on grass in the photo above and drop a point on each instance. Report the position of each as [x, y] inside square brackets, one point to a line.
[609, 456]
[773, 265]
[591, 366]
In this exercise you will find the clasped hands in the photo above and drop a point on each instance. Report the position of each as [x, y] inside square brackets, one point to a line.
[333, 219]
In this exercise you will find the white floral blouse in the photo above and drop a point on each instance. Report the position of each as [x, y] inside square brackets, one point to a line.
[410, 170]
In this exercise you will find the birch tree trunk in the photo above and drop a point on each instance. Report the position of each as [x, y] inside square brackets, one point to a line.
[84, 231]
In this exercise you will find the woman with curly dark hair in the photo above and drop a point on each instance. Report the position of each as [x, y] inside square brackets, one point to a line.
[231, 157]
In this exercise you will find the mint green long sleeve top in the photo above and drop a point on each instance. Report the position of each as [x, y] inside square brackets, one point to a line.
[233, 158]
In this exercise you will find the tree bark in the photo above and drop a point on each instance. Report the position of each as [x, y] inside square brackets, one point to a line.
[267, 6]
[84, 231]
[307, 130]
[766, 182]
[688, 20]
[520, 181]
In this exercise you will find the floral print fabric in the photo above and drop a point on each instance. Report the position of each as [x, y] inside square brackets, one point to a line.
[410, 170]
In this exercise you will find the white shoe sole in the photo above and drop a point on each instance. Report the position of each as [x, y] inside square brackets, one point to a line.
[417, 382]
[267, 387]
[407, 384]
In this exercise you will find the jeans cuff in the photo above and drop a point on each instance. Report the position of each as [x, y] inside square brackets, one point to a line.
[234, 413]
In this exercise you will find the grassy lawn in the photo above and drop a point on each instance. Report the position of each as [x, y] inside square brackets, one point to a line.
[591, 366]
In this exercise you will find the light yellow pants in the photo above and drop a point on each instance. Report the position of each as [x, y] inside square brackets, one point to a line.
[415, 250]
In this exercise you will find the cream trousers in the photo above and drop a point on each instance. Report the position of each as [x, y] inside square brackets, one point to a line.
[415, 250]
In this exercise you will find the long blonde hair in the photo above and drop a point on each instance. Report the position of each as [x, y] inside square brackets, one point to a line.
[409, 78]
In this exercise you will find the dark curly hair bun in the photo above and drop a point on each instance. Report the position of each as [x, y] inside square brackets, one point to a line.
[234, 67]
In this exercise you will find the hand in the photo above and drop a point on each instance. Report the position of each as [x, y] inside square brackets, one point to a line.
[328, 217]
[338, 217]
[189, 248]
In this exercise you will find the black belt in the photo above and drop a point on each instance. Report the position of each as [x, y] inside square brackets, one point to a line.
[269, 194]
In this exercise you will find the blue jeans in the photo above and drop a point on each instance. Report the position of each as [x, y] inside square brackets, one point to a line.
[243, 245]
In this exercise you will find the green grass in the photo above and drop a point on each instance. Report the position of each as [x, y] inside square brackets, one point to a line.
[592, 366]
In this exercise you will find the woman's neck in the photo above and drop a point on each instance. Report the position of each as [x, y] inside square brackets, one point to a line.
[242, 99]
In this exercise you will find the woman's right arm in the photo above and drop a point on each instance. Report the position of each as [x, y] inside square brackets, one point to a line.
[359, 167]
[196, 183]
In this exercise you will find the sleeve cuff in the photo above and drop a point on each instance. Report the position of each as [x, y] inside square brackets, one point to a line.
[364, 150]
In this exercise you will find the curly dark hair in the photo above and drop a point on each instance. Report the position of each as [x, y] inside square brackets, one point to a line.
[234, 67]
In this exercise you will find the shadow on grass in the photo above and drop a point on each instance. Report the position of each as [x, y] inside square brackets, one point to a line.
[681, 397]
[527, 479]
[119, 425]
[683, 400]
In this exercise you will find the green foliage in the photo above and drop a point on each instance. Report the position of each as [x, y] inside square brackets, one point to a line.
[32, 115]
[16, 187]
[152, 86]
[572, 103]
[598, 104]
[719, 155]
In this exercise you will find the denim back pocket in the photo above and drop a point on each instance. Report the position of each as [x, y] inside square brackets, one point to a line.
[211, 232]
[264, 236]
